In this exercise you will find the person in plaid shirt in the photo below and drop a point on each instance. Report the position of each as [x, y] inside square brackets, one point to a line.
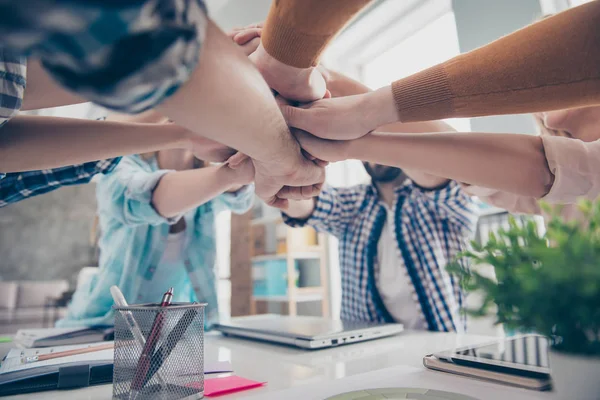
[396, 234]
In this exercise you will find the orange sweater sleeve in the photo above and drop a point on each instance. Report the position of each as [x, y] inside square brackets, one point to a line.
[297, 31]
[552, 64]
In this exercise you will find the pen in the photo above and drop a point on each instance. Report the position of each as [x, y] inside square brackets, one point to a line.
[172, 340]
[67, 353]
[144, 362]
[120, 301]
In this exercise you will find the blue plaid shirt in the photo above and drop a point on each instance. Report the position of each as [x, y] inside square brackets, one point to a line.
[432, 227]
[126, 55]
[21, 185]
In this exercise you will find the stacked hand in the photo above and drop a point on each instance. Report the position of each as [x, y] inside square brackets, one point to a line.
[280, 177]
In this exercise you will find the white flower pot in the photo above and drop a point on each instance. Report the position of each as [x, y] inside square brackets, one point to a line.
[575, 376]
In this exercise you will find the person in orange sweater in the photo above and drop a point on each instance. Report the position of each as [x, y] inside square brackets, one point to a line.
[549, 65]
[507, 169]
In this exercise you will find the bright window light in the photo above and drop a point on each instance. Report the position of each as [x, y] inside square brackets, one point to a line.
[435, 43]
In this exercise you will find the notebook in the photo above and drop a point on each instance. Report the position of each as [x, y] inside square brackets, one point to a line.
[64, 336]
[81, 370]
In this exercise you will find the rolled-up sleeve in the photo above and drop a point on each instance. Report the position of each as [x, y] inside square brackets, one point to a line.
[576, 168]
[126, 194]
[335, 210]
[238, 202]
[508, 201]
[13, 71]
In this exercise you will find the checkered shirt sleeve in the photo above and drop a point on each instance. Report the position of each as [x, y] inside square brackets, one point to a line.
[19, 186]
[336, 208]
[126, 55]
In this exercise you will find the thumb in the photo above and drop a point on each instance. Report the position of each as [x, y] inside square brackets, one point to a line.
[236, 160]
[294, 116]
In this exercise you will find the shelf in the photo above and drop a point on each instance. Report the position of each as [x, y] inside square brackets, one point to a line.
[273, 219]
[295, 255]
[299, 298]
[491, 210]
[269, 257]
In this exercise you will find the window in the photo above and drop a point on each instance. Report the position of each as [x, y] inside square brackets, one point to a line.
[433, 44]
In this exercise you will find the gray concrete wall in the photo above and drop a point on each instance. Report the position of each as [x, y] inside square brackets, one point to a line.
[47, 237]
[479, 22]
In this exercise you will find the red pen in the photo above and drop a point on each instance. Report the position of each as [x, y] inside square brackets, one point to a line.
[144, 362]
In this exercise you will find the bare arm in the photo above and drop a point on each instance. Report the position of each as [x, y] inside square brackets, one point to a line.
[180, 191]
[33, 142]
[340, 85]
[549, 65]
[233, 105]
[43, 92]
[508, 162]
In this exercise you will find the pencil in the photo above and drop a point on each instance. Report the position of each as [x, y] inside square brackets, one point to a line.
[44, 357]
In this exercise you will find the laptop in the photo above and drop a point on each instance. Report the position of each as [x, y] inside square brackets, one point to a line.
[305, 332]
[520, 361]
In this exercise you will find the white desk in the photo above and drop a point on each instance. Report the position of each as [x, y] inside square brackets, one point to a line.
[285, 368]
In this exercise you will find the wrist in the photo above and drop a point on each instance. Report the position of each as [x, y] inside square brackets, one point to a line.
[356, 149]
[226, 175]
[181, 138]
[380, 107]
[282, 152]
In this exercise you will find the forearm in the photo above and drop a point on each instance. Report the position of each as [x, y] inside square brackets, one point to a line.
[33, 142]
[226, 95]
[297, 31]
[180, 191]
[550, 65]
[300, 209]
[340, 85]
[508, 162]
[43, 92]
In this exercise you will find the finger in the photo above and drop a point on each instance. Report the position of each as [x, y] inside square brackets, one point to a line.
[294, 116]
[251, 46]
[247, 35]
[308, 192]
[277, 202]
[327, 94]
[290, 192]
[321, 163]
[236, 160]
[308, 156]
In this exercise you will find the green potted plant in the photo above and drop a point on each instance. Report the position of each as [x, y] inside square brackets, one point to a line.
[548, 284]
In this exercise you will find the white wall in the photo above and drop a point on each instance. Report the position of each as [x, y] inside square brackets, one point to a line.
[237, 13]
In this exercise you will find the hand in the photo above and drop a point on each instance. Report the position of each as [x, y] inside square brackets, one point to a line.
[248, 38]
[207, 149]
[324, 150]
[344, 118]
[298, 84]
[277, 183]
[243, 169]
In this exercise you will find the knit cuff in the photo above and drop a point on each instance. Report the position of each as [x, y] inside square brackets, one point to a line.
[424, 96]
[292, 47]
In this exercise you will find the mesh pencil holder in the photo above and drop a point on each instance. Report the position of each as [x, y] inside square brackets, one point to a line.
[159, 352]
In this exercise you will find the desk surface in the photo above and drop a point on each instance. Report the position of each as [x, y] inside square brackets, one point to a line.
[285, 368]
